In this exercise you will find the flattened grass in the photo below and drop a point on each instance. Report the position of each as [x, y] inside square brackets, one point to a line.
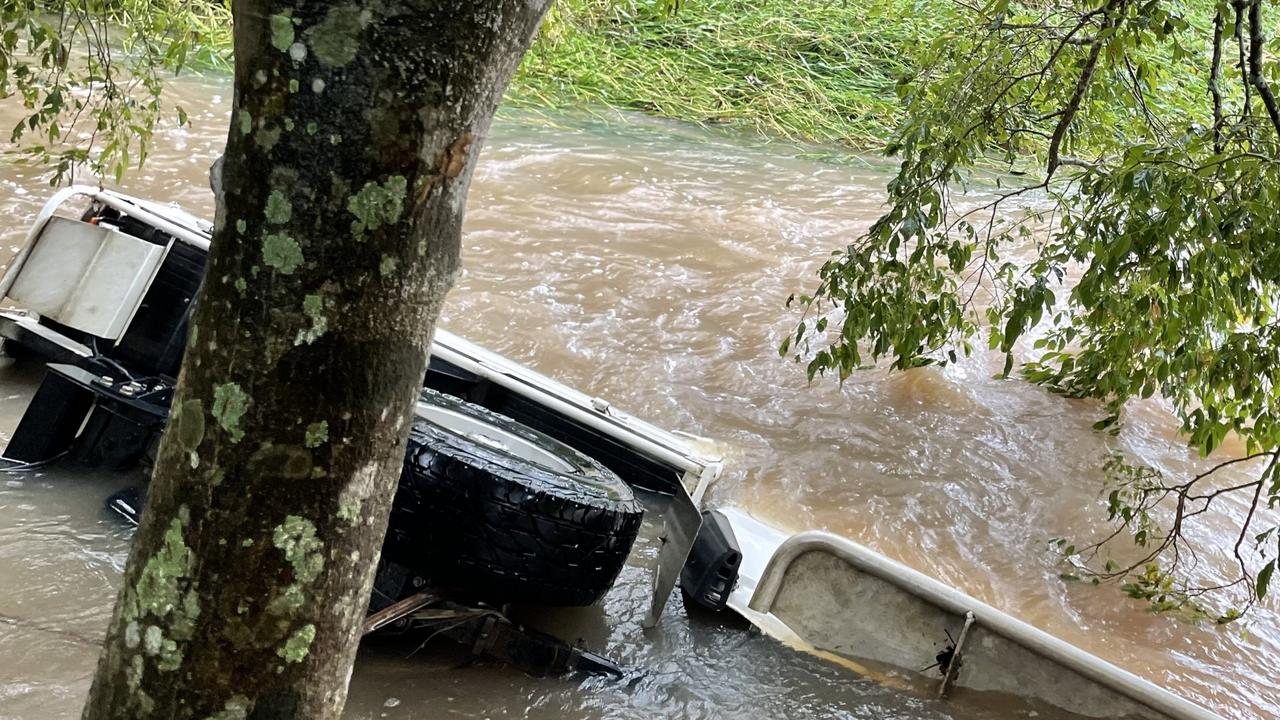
[812, 70]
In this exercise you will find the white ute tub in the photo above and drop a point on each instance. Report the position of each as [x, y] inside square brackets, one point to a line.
[825, 593]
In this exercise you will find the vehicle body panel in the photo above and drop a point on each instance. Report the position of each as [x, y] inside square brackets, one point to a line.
[823, 591]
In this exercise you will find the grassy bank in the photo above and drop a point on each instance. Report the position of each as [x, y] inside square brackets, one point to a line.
[822, 70]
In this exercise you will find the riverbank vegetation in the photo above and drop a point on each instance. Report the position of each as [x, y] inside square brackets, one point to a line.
[818, 70]
[834, 72]
[824, 71]
[838, 72]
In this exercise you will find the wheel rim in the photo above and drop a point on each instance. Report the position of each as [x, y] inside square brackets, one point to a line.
[492, 437]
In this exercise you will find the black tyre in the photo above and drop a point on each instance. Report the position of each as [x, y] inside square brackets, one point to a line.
[499, 510]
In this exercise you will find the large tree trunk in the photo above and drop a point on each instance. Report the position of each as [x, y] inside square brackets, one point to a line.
[353, 138]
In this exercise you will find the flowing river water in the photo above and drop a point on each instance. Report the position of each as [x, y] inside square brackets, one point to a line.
[647, 262]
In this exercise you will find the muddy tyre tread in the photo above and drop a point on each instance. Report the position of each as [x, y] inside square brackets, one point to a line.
[504, 528]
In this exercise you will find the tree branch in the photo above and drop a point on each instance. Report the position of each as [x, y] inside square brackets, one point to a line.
[1215, 74]
[1082, 87]
[1147, 493]
[1243, 61]
[1256, 43]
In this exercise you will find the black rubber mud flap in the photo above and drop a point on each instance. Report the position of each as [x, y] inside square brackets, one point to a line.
[712, 570]
[545, 525]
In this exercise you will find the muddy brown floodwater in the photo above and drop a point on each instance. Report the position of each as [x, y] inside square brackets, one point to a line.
[647, 262]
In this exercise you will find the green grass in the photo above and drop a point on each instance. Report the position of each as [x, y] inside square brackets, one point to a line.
[812, 70]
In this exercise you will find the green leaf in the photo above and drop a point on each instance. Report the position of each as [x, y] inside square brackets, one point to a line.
[1264, 579]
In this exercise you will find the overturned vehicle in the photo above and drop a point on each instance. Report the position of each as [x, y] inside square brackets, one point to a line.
[518, 488]
[514, 487]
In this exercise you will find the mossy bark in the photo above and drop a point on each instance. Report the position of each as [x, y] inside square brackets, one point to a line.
[355, 130]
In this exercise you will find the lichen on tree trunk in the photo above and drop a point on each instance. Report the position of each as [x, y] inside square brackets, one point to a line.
[354, 134]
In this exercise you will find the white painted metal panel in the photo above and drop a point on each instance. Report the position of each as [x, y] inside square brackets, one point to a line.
[59, 257]
[88, 277]
[701, 468]
[830, 594]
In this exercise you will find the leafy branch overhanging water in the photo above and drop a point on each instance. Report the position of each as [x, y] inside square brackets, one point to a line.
[1152, 132]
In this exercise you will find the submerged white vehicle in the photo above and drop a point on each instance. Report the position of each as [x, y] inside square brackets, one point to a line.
[101, 291]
